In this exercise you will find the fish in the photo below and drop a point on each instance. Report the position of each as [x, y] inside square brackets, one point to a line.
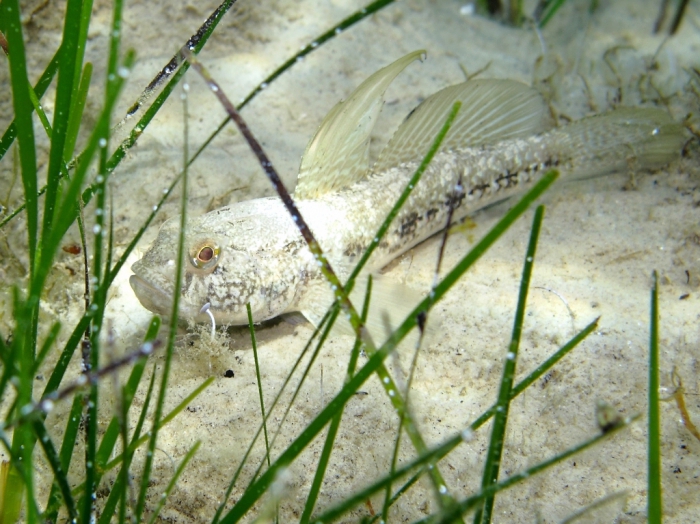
[500, 143]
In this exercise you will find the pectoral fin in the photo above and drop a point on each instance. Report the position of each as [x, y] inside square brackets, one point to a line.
[390, 303]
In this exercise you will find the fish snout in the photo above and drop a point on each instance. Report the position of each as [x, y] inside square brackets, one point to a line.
[150, 296]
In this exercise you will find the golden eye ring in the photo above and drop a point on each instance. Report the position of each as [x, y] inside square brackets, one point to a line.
[205, 255]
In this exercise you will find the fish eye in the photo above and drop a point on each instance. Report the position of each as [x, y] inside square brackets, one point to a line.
[205, 255]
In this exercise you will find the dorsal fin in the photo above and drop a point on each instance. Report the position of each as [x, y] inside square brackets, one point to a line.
[492, 110]
[338, 154]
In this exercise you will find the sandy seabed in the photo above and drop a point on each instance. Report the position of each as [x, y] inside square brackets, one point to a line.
[600, 242]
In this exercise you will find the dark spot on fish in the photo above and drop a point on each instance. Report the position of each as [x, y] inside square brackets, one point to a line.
[353, 250]
[409, 224]
[455, 199]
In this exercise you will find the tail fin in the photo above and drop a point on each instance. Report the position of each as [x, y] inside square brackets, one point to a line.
[640, 138]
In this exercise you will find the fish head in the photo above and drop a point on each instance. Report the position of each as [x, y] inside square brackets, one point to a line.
[230, 260]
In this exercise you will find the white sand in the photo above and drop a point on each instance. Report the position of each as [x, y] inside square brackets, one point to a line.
[598, 248]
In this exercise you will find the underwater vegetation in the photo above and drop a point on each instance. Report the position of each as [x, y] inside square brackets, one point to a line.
[112, 414]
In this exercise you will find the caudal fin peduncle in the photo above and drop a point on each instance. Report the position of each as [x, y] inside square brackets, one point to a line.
[635, 138]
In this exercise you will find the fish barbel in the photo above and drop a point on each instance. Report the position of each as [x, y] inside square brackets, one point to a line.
[499, 145]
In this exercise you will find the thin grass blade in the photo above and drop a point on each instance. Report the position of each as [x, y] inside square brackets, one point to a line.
[654, 502]
[443, 449]
[26, 313]
[71, 62]
[78, 108]
[67, 212]
[251, 327]
[40, 88]
[164, 496]
[12, 490]
[165, 420]
[46, 345]
[591, 511]
[315, 489]
[119, 492]
[304, 376]
[547, 12]
[60, 474]
[40, 113]
[64, 359]
[23, 109]
[323, 329]
[471, 502]
[99, 299]
[112, 433]
[498, 432]
[67, 447]
[172, 332]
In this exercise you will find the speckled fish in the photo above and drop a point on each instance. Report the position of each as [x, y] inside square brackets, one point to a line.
[499, 145]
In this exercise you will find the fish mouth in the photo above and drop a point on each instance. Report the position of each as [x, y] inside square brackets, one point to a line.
[159, 301]
[151, 297]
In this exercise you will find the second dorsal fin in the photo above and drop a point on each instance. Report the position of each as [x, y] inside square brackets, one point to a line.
[338, 154]
[492, 110]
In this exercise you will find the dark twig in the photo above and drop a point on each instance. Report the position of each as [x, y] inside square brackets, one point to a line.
[677, 17]
[680, 11]
[45, 405]
[457, 197]
[661, 18]
[454, 201]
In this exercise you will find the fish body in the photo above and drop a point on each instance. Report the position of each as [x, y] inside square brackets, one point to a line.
[252, 252]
